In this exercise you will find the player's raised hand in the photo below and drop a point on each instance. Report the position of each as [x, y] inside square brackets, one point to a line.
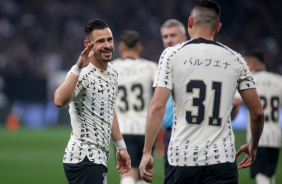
[85, 56]
[146, 167]
[123, 161]
[250, 155]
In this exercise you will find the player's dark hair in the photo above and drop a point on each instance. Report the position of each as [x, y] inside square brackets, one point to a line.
[130, 38]
[256, 53]
[210, 5]
[94, 24]
[208, 13]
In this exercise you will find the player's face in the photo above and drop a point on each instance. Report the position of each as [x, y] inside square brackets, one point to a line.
[172, 36]
[103, 44]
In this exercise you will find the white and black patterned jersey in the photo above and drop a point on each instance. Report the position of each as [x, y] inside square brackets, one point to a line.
[203, 76]
[135, 90]
[269, 88]
[91, 114]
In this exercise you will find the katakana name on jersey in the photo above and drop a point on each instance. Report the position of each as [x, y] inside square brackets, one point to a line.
[203, 76]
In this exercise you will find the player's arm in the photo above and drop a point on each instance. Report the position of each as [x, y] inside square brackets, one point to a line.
[153, 124]
[253, 104]
[116, 135]
[155, 117]
[65, 92]
[123, 159]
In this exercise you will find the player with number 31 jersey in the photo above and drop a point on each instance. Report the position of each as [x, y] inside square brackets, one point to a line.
[202, 132]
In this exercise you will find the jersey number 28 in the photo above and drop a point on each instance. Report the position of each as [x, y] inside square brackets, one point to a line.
[274, 103]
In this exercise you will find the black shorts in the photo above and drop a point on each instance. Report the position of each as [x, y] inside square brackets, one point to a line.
[134, 145]
[266, 161]
[212, 174]
[86, 172]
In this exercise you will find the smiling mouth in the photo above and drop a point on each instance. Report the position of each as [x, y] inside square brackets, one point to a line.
[107, 53]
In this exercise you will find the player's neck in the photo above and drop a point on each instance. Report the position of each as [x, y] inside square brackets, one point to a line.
[206, 37]
[201, 33]
[100, 64]
[132, 55]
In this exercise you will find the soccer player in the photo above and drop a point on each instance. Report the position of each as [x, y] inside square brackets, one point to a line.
[135, 79]
[202, 75]
[173, 32]
[90, 89]
[269, 89]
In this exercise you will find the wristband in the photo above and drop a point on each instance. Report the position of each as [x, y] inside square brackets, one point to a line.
[76, 70]
[120, 144]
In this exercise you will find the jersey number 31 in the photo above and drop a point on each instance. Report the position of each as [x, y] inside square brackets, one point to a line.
[214, 120]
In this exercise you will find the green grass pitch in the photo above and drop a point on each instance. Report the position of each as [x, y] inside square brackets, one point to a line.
[35, 156]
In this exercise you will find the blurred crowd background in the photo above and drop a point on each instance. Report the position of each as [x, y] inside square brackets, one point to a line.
[40, 39]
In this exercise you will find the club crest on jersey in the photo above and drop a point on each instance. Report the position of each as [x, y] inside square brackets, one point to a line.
[214, 121]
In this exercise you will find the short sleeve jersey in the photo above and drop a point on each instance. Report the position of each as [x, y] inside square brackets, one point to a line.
[135, 90]
[203, 76]
[269, 88]
[91, 114]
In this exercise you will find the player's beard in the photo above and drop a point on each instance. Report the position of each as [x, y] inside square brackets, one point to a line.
[100, 56]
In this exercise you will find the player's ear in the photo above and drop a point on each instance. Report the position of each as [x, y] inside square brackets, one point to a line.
[218, 27]
[190, 22]
[120, 47]
[86, 43]
[140, 48]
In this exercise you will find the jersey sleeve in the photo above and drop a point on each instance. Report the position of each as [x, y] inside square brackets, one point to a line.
[246, 80]
[164, 74]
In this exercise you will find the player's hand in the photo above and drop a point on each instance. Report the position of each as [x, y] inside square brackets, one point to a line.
[85, 56]
[123, 161]
[250, 155]
[146, 167]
